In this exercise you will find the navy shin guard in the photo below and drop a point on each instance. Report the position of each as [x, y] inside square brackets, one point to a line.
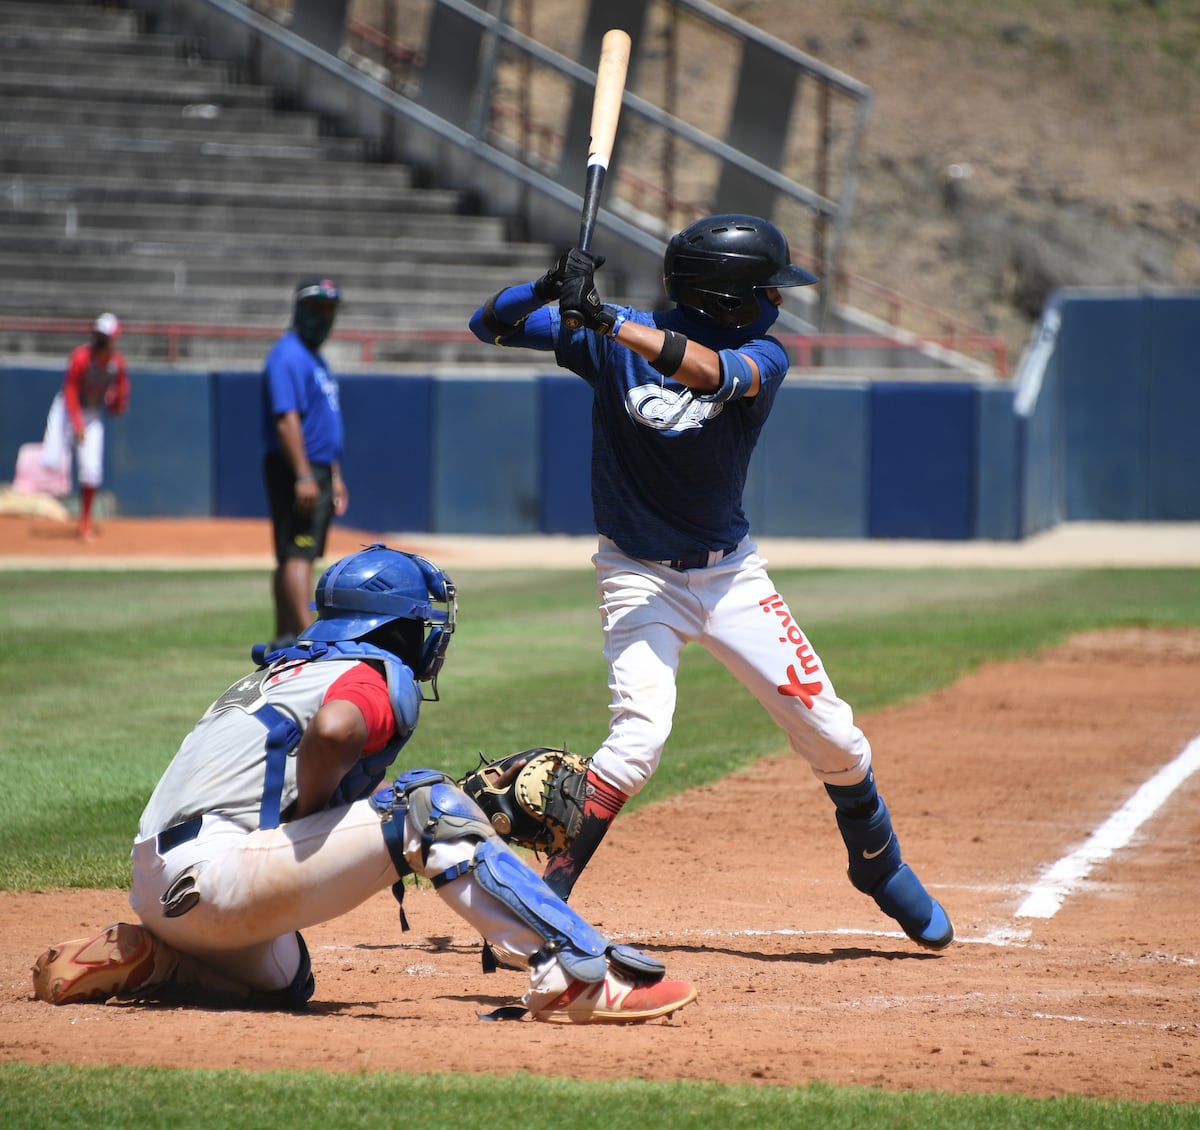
[877, 868]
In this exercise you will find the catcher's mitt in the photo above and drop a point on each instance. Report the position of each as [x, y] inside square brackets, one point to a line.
[534, 798]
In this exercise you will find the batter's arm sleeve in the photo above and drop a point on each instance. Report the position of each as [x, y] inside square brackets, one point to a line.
[510, 318]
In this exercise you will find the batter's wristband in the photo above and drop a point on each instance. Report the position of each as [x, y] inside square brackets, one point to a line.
[616, 326]
[670, 357]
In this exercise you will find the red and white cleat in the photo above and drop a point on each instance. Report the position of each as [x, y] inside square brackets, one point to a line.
[615, 1000]
[121, 959]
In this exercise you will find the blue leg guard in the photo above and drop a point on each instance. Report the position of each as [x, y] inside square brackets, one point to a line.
[582, 949]
[877, 868]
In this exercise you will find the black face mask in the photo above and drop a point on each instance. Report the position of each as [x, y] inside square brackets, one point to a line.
[313, 324]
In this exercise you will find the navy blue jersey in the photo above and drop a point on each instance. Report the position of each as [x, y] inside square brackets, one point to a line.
[668, 465]
[295, 379]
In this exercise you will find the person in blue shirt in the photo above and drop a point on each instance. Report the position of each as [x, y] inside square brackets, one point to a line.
[679, 398]
[303, 437]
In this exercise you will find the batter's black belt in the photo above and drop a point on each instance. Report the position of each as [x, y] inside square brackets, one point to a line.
[177, 834]
[702, 559]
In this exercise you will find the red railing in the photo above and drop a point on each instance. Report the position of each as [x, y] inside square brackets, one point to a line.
[806, 350]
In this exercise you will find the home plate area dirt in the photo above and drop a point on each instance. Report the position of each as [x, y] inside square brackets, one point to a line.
[740, 887]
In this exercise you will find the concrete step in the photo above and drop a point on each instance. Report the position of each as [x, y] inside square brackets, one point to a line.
[49, 14]
[218, 303]
[37, 112]
[115, 66]
[31, 147]
[31, 253]
[216, 223]
[68, 39]
[401, 274]
[178, 91]
[342, 189]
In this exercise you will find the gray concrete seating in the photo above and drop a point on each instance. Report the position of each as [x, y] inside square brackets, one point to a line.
[136, 176]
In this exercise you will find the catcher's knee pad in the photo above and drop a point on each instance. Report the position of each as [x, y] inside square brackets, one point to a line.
[437, 807]
[584, 952]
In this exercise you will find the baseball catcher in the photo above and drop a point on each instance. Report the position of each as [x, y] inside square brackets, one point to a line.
[534, 798]
[270, 818]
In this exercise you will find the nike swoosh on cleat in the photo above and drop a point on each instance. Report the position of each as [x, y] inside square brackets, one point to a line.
[876, 854]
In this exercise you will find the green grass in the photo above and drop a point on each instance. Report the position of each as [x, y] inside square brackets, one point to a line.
[59, 1098]
[104, 673]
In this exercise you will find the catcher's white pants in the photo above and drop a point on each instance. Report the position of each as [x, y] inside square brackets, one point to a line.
[256, 889]
[650, 611]
[58, 442]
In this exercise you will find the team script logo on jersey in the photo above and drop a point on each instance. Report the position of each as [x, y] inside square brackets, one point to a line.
[668, 410]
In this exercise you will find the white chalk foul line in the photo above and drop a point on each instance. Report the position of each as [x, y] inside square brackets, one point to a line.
[1061, 879]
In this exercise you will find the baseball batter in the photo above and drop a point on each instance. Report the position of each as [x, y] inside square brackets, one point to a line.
[270, 819]
[96, 382]
[679, 399]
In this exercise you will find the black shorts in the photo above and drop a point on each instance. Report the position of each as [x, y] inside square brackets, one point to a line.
[297, 534]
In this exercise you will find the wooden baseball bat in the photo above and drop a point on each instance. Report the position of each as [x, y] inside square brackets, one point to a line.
[606, 111]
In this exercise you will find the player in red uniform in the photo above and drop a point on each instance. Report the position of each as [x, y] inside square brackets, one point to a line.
[96, 383]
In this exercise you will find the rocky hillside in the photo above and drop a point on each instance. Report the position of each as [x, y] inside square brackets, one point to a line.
[1077, 124]
[1014, 146]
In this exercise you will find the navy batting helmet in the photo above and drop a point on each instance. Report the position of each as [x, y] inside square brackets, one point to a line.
[379, 586]
[716, 264]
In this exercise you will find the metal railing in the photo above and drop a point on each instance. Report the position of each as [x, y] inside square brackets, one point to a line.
[791, 125]
[808, 353]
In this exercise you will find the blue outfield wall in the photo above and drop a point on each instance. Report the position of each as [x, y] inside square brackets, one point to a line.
[1102, 427]
[922, 460]
[1104, 385]
[388, 467]
[808, 476]
[564, 460]
[1107, 410]
[1173, 431]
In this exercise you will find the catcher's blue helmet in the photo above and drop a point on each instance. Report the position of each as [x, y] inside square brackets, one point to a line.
[379, 585]
[716, 264]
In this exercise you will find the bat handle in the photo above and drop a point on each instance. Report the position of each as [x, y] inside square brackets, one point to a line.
[587, 225]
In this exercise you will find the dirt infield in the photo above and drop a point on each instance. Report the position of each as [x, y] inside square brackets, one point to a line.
[991, 781]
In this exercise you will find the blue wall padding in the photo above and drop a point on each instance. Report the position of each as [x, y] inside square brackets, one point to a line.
[485, 433]
[808, 477]
[158, 455]
[389, 451]
[1102, 345]
[564, 464]
[1173, 488]
[387, 464]
[1111, 436]
[922, 460]
[237, 446]
[25, 396]
[997, 495]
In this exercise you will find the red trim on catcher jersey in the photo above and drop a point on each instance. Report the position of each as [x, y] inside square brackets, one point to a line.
[365, 687]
